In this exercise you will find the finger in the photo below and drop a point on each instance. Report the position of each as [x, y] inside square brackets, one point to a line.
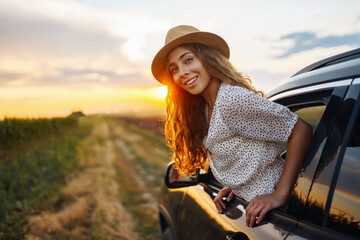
[220, 205]
[230, 197]
[262, 214]
[253, 202]
[226, 191]
[221, 202]
[220, 208]
[251, 208]
[219, 198]
[254, 215]
[249, 211]
[252, 205]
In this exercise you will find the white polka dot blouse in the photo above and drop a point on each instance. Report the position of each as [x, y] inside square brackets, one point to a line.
[243, 138]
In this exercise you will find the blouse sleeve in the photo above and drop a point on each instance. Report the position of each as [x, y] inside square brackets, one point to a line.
[251, 115]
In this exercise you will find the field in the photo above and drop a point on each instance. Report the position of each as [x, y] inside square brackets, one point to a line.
[152, 124]
[109, 191]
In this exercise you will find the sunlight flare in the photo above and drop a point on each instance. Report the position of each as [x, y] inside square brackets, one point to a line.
[61, 101]
[162, 92]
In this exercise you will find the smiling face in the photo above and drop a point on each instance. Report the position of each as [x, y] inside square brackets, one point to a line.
[188, 72]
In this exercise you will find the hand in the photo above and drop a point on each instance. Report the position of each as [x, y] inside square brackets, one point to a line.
[261, 205]
[219, 204]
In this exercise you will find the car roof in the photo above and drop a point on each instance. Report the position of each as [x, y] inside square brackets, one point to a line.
[339, 67]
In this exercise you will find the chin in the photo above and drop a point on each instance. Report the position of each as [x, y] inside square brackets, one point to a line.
[194, 92]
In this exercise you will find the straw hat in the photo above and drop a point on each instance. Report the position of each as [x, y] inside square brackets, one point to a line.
[186, 34]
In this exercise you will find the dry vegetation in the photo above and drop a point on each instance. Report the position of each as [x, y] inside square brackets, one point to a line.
[152, 124]
[114, 195]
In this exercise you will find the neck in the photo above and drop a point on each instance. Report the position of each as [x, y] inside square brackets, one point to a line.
[210, 92]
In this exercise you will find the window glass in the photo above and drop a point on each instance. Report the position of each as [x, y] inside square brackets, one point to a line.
[345, 208]
[311, 115]
[317, 199]
[321, 117]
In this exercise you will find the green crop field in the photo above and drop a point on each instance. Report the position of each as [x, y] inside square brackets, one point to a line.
[90, 178]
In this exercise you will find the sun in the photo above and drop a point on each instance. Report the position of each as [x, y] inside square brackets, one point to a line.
[154, 93]
[162, 92]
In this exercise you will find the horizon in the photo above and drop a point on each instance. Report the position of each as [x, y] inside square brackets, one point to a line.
[94, 56]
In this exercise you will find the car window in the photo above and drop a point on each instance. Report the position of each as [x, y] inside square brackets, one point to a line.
[311, 115]
[345, 208]
[327, 168]
[321, 117]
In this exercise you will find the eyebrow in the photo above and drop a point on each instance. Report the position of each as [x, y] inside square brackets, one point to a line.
[181, 56]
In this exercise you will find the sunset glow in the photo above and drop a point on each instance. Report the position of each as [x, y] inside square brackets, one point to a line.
[60, 101]
[162, 92]
[95, 56]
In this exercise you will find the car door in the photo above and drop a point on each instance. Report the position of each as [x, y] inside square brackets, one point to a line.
[318, 106]
[200, 219]
[331, 208]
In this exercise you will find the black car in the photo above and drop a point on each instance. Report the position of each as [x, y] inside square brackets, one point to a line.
[325, 201]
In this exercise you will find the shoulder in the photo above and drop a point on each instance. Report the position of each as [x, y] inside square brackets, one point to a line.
[227, 90]
[230, 94]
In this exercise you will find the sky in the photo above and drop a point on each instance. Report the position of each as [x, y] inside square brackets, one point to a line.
[59, 56]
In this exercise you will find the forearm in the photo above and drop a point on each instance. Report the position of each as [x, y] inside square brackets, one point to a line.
[299, 140]
[297, 145]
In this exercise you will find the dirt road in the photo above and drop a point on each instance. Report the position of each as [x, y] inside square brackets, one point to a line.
[114, 195]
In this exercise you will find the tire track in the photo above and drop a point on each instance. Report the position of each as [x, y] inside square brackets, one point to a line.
[92, 207]
[140, 163]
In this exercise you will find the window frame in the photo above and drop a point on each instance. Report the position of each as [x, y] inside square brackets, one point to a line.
[311, 230]
[353, 94]
[314, 96]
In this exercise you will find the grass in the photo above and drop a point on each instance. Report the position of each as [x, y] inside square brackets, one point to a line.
[91, 207]
[16, 133]
[29, 180]
[145, 154]
[82, 185]
[132, 198]
[145, 163]
[146, 133]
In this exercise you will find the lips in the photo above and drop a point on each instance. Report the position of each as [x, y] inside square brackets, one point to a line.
[190, 81]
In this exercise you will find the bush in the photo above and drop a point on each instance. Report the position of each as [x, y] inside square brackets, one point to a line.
[30, 180]
[15, 132]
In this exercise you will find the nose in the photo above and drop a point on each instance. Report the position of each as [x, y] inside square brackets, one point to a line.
[183, 71]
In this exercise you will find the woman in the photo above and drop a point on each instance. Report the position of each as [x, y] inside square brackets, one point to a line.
[214, 113]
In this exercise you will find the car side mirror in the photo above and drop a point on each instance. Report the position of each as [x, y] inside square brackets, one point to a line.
[174, 180]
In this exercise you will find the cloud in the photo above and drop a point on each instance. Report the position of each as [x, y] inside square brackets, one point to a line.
[39, 50]
[303, 41]
[83, 78]
[93, 77]
[264, 81]
[9, 76]
[54, 38]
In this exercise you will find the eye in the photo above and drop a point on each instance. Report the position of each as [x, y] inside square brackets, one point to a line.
[173, 70]
[188, 60]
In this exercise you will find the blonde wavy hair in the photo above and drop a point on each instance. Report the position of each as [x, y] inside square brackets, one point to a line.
[186, 123]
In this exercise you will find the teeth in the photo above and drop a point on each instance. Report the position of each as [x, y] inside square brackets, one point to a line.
[191, 81]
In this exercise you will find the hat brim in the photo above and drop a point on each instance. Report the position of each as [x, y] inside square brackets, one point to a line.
[208, 39]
